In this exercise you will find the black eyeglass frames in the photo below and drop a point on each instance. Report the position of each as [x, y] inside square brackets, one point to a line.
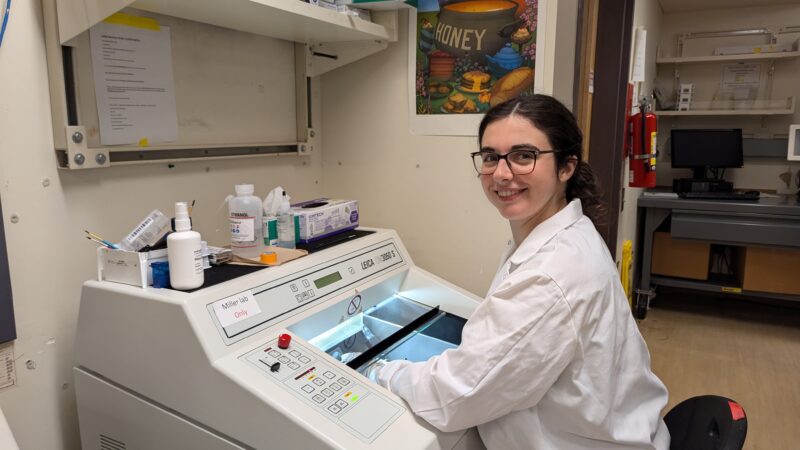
[521, 162]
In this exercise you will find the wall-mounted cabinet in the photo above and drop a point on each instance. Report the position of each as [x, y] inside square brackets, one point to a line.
[242, 73]
[290, 20]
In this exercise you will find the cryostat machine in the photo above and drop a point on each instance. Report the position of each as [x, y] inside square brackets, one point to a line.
[267, 358]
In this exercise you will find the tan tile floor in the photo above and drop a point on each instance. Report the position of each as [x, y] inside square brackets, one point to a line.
[745, 350]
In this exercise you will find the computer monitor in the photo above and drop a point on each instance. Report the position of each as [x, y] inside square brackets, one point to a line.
[706, 149]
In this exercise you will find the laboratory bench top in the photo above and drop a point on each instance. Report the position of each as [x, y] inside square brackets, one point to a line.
[782, 205]
[768, 221]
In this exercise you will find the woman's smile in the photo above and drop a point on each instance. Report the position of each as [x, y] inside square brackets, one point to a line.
[509, 195]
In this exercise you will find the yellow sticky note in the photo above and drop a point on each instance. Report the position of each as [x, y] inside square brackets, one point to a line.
[143, 142]
[133, 21]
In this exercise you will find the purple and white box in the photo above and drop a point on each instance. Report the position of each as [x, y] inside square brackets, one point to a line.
[324, 217]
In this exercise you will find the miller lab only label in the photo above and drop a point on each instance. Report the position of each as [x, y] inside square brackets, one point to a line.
[236, 308]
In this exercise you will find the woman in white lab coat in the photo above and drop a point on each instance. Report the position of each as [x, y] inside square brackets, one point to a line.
[551, 358]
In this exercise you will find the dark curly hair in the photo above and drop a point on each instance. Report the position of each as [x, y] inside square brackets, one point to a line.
[561, 128]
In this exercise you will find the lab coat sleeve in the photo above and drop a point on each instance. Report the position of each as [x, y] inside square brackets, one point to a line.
[514, 347]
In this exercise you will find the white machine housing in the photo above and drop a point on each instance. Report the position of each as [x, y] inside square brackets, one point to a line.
[163, 369]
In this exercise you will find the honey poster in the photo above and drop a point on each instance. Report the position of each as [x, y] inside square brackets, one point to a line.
[470, 55]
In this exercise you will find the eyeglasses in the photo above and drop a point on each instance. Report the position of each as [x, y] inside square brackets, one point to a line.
[521, 162]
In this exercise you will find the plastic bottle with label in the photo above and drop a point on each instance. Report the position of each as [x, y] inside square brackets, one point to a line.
[184, 252]
[245, 215]
[286, 238]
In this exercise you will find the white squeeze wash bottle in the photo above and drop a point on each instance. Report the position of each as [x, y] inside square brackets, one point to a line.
[184, 252]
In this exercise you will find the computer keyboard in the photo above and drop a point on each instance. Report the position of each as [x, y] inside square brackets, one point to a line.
[749, 195]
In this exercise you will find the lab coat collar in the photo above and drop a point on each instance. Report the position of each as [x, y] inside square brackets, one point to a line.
[545, 231]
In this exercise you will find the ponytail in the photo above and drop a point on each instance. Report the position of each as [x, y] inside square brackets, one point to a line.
[583, 186]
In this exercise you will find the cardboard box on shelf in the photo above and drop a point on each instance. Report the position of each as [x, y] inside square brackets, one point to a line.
[679, 258]
[768, 269]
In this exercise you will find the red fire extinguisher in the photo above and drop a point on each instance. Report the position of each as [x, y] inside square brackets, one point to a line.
[643, 129]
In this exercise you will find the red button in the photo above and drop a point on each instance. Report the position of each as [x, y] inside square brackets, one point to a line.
[284, 340]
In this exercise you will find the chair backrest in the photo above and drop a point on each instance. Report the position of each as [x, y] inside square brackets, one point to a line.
[707, 422]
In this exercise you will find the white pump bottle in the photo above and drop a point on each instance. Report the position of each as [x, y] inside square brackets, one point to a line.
[184, 252]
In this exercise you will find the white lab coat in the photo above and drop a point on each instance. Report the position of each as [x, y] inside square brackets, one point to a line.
[550, 359]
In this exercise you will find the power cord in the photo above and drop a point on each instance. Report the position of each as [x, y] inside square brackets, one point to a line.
[6, 13]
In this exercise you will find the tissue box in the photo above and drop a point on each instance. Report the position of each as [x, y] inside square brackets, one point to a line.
[126, 267]
[323, 217]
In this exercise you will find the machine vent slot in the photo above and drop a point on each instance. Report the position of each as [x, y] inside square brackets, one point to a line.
[108, 443]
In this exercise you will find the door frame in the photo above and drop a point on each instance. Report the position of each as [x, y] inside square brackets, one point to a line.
[608, 25]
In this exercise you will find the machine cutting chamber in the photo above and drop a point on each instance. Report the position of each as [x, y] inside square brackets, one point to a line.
[397, 328]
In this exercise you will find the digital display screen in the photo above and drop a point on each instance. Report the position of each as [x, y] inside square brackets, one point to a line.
[327, 279]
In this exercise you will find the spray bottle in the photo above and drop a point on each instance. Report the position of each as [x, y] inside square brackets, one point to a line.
[184, 252]
[286, 223]
[270, 226]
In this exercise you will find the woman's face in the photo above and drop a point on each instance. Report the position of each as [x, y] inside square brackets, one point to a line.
[525, 200]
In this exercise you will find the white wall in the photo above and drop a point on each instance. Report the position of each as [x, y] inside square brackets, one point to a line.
[425, 187]
[49, 257]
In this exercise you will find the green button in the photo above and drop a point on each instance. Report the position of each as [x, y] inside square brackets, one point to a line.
[354, 398]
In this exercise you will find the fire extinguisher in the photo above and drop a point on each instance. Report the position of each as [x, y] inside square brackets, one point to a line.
[642, 151]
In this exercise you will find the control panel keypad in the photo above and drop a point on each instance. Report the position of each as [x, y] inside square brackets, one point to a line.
[278, 362]
[327, 383]
[324, 387]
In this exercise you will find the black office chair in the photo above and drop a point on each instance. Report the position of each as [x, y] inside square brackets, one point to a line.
[707, 422]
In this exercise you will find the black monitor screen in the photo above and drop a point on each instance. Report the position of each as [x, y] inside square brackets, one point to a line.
[706, 148]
